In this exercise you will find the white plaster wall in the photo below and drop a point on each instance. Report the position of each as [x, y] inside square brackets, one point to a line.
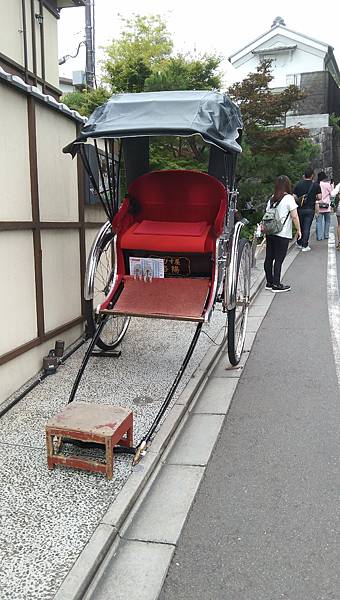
[51, 49]
[57, 172]
[29, 35]
[37, 38]
[304, 58]
[90, 234]
[95, 214]
[308, 121]
[15, 194]
[61, 277]
[17, 298]
[284, 64]
[18, 371]
[11, 36]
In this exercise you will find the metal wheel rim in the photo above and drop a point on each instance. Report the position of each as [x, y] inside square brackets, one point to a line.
[242, 301]
[116, 326]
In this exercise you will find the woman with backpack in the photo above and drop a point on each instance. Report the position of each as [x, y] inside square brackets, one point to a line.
[277, 225]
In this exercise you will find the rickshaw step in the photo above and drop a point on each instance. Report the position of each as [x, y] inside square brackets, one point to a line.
[103, 424]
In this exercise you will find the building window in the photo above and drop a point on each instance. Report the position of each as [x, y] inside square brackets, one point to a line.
[293, 79]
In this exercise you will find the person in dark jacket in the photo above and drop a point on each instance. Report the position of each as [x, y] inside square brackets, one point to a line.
[311, 192]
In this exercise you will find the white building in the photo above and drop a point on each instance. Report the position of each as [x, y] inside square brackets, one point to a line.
[309, 64]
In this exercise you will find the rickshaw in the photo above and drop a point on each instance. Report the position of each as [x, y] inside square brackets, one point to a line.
[172, 248]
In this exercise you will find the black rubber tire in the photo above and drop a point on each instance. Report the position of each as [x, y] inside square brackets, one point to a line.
[236, 342]
[117, 325]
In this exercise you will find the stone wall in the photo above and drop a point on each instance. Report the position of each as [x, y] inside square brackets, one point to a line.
[328, 140]
[336, 154]
[322, 95]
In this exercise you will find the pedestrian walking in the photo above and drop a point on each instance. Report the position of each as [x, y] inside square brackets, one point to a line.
[323, 219]
[334, 194]
[283, 208]
[307, 193]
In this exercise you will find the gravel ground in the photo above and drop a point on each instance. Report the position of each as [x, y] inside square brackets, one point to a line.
[46, 517]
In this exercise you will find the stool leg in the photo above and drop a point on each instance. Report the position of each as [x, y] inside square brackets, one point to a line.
[49, 445]
[109, 458]
[129, 438]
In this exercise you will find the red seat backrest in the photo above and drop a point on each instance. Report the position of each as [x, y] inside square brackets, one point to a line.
[183, 196]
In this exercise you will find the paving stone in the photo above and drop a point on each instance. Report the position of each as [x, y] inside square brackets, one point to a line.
[197, 440]
[136, 573]
[216, 397]
[165, 507]
[254, 323]
[225, 369]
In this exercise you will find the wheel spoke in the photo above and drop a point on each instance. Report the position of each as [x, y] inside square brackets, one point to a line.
[237, 317]
[116, 326]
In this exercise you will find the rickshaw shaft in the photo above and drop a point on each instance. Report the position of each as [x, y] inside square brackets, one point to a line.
[174, 385]
[86, 358]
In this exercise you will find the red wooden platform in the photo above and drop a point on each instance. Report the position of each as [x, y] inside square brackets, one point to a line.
[101, 423]
[168, 298]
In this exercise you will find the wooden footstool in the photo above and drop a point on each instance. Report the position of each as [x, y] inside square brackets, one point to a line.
[99, 423]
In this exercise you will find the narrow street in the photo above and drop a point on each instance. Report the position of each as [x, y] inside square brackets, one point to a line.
[265, 522]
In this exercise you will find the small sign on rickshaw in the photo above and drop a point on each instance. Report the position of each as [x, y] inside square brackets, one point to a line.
[146, 267]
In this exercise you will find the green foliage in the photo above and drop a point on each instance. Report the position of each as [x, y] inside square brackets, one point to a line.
[179, 153]
[183, 72]
[334, 121]
[268, 150]
[142, 60]
[87, 100]
[261, 107]
[257, 171]
[144, 44]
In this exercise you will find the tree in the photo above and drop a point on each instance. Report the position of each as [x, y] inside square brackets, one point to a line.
[87, 100]
[183, 72]
[262, 110]
[144, 44]
[269, 149]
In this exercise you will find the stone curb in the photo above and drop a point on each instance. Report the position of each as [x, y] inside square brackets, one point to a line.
[109, 529]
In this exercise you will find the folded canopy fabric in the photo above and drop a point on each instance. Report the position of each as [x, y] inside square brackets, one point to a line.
[208, 113]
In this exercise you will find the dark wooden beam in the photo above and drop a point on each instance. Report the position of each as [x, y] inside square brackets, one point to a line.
[32, 143]
[4, 358]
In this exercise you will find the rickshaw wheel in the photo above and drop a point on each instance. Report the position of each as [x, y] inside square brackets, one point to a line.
[103, 264]
[238, 316]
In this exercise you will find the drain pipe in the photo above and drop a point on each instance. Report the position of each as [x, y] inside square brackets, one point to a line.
[50, 367]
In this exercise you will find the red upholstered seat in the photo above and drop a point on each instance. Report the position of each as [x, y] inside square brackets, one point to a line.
[173, 211]
[167, 236]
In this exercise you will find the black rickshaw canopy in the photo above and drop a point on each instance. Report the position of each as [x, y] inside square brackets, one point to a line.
[211, 114]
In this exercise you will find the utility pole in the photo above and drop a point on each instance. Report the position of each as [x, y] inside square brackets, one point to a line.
[90, 44]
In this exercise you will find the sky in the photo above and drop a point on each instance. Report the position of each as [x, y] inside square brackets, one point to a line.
[221, 26]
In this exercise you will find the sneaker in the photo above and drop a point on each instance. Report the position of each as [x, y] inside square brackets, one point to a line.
[280, 288]
[307, 249]
[268, 286]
